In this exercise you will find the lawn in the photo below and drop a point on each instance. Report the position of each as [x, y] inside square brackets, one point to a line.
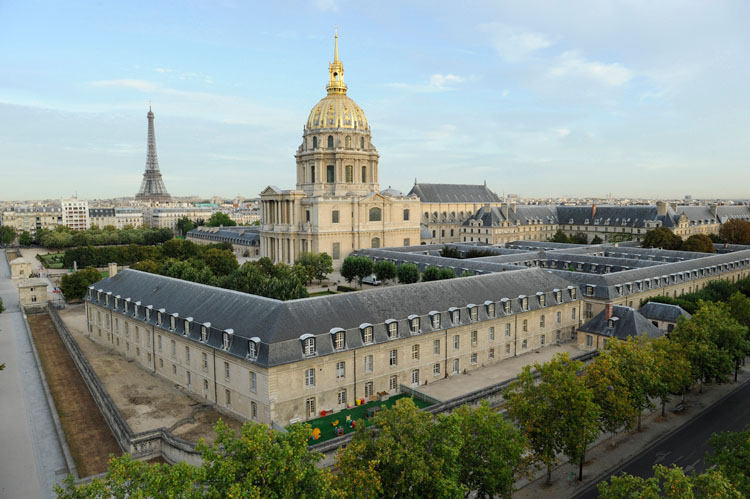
[52, 260]
[325, 423]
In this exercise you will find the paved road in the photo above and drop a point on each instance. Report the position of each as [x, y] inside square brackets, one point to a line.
[31, 460]
[687, 447]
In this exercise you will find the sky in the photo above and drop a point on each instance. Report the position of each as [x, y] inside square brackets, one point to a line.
[541, 98]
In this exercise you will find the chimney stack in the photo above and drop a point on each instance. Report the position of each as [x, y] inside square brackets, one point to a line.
[661, 208]
[593, 211]
[112, 269]
[608, 311]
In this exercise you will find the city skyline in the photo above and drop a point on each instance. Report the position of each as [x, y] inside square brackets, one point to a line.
[642, 101]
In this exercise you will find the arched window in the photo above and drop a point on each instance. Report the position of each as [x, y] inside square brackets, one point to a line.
[364, 174]
[315, 142]
[361, 142]
[375, 214]
[375, 243]
[330, 141]
[349, 174]
[348, 142]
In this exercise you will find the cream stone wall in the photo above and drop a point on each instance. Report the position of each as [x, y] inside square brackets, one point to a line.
[32, 295]
[20, 268]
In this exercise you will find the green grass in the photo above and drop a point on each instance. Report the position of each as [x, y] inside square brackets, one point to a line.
[323, 293]
[52, 260]
[104, 273]
[328, 431]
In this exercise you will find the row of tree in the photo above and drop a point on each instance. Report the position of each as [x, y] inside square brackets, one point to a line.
[405, 453]
[664, 238]
[715, 291]
[358, 267]
[63, 237]
[561, 411]
[579, 238]
[217, 219]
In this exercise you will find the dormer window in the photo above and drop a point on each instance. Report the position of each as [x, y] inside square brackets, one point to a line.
[393, 330]
[474, 313]
[172, 323]
[589, 290]
[612, 321]
[186, 327]
[455, 316]
[99, 296]
[524, 302]
[558, 296]
[252, 348]
[158, 318]
[490, 309]
[308, 345]
[414, 324]
[542, 299]
[226, 338]
[618, 288]
[367, 334]
[435, 318]
[506, 305]
[117, 302]
[204, 334]
[338, 340]
[106, 299]
[91, 292]
[135, 310]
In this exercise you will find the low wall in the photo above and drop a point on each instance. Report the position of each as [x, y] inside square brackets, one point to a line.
[145, 445]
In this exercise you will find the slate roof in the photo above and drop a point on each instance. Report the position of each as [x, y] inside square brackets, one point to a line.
[278, 325]
[662, 312]
[243, 236]
[492, 216]
[628, 323]
[454, 193]
[614, 216]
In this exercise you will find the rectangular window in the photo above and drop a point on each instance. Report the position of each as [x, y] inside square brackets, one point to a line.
[541, 340]
[474, 313]
[341, 397]
[204, 360]
[507, 330]
[369, 390]
[415, 377]
[507, 348]
[436, 321]
[492, 353]
[541, 321]
[159, 341]
[525, 326]
[393, 358]
[330, 177]
[573, 314]
[226, 371]
[589, 340]
[455, 366]
[310, 377]
[492, 334]
[406, 217]
[436, 347]
[368, 363]
[253, 381]
[174, 369]
[189, 379]
[205, 385]
[557, 335]
[473, 358]
[149, 358]
[161, 363]
[174, 349]
[335, 216]
[338, 340]
[559, 317]
[473, 338]
[148, 337]
[228, 398]
[523, 344]
[415, 325]
[340, 370]
[336, 251]
[491, 310]
[253, 410]
[456, 342]
[436, 369]
[415, 352]
[392, 330]
[392, 383]
[407, 242]
[187, 355]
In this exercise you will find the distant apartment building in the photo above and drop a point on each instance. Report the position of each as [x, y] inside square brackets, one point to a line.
[32, 218]
[167, 218]
[128, 216]
[102, 217]
[75, 213]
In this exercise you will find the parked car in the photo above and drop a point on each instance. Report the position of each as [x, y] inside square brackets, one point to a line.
[372, 280]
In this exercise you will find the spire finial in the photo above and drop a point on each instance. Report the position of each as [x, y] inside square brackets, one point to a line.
[336, 44]
[336, 70]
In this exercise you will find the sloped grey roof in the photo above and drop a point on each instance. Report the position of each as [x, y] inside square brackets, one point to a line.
[634, 216]
[629, 323]
[244, 236]
[662, 311]
[492, 216]
[279, 325]
[454, 193]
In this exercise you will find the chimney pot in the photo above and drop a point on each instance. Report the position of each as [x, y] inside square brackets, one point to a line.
[608, 311]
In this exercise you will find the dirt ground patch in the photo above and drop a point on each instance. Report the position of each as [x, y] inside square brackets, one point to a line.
[89, 438]
[145, 400]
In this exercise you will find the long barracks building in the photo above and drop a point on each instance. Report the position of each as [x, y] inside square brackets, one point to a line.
[274, 361]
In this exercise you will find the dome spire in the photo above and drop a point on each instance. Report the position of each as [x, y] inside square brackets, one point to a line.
[336, 71]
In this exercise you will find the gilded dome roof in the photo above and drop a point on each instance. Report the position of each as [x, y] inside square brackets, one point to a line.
[337, 111]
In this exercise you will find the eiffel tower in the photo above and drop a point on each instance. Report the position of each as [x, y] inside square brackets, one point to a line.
[152, 187]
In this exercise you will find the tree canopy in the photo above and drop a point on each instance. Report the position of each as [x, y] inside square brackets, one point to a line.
[220, 219]
[407, 273]
[700, 243]
[669, 483]
[735, 231]
[7, 234]
[663, 238]
[75, 284]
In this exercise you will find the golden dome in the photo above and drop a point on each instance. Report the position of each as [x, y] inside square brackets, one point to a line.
[336, 110]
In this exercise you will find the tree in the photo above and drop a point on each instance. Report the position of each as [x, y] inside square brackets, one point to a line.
[385, 270]
[357, 267]
[700, 243]
[185, 225]
[317, 265]
[7, 234]
[662, 238]
[431, 274]
[559, 237]
[714, 341]
[673, 369]
[220, 219]
[349, 269]
[491, 454]
[409, 455]
[735, 231]
[407, 273]
[221, 262]
[557, 413]
[447, 273]
[731, 455]
[611, 394]
[25, 239]
[670, 483]
[75, 284]
[597, 240]
[580, 238]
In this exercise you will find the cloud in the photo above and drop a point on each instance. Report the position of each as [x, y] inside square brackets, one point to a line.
[326, 5]
[140, 85]
[163, 70]
[437, 83]
[564, 132]
[572, 63]
[514, 44]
